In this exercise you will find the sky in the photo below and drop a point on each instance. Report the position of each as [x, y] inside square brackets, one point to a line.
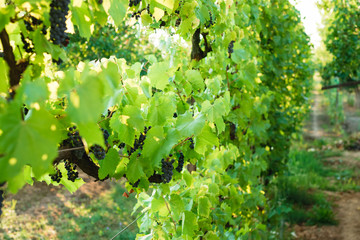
[311, 18]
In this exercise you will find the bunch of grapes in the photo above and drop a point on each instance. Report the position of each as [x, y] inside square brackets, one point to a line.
[59, 10]
[191, 143]
[167, 169]
[210, 22]
[71, 172]
[136, 184]
[231, 48]
[32, 21]
[180, 162]
[139, 143]
[75, 141]
[98, 152]
[134, 2]
[56, 177]
[105, 134]
[27, 46]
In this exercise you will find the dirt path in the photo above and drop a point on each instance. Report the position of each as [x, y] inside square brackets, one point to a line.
[347, 204]
[348, 213]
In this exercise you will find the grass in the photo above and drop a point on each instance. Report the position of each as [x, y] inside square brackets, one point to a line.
[299, 190]
[87, 218]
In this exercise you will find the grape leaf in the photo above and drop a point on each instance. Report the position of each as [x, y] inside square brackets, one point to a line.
[162, 107]
[189, 223]
[205, 140]
[204, 206]
[32, 142]
[195, 78]
[109, 163]
[158, 75]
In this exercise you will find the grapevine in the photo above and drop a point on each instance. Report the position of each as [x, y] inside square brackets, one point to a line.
[227, 92]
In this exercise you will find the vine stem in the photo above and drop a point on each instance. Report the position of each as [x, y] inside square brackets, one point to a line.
[70, 149]
[178, 92]
[122, 230]
[167, 206]
[78, 148]
[182, 142]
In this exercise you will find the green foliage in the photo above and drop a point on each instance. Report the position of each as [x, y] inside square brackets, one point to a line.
[342, 25]
[298, 189]
[231, 110]
[106, 41]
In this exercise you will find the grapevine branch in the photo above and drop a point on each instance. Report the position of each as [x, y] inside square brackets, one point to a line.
[16, 67]
[167, 206]
[347, 84]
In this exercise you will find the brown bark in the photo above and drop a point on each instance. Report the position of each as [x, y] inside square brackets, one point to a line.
[347, 84]
[16, 67]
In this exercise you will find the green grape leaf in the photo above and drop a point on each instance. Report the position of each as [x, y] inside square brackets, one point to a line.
[195, 78]
[158, 75]
[32, 142]
[6, 12]
[17, 182]
[85, 106]
[34, 91]
[189, 223]
[177, 206]
[153, 146]
[162, 107]
[109, 163]
[158, 205]
[126, 132]
[135, 169]
[204, 206]
[188, 125]
[205, 140]
[133, 117]
[79, 15]
[4, 83]
[118, 10]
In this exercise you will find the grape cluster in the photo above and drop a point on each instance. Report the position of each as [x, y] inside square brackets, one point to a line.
[231, 48]
[180, 162]
[139, 142]
[136, 184]
[167, 169]
[71, 172]
[191, 143]
[59, 10]
[134, 2]
[175, 115]
[98, 152]
[56, 177]
[75, 141]
[34, 22]
[210, 22]
[100, 1]
[27, 46]
[105, 134]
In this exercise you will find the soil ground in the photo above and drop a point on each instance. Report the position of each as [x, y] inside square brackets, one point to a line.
[347, 204]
